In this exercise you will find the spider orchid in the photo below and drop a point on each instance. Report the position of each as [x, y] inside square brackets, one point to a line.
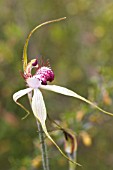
[39, 80]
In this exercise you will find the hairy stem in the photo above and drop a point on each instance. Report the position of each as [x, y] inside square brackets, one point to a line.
[43, 147]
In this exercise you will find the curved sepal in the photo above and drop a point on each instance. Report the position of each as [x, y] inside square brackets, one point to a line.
[27, 40]
[67, 92]
[19, 94]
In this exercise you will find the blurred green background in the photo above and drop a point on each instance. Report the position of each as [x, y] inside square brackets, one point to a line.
[80, 51]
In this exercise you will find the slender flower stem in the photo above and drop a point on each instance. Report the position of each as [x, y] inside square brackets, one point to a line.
[43, 147]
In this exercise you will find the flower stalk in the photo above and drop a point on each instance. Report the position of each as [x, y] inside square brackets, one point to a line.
[45, 160]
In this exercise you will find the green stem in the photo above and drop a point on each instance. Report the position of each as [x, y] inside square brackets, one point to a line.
[43, 148]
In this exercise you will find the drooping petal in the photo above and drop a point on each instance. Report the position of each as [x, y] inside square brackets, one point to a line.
[21, 93]
[70, 145]
[70, 142]
[39, 110]
[38, 106]
[67, 92]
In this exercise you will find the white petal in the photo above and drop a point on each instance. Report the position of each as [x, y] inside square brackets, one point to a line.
[39, 110]
[30, 96]
[59, 89]
[38, 106]
[21, 93]
[67, 92]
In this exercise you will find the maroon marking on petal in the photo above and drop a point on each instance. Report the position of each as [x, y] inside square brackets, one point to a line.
[69, 136]
[45, 74]
[44, 83]
[35, 63]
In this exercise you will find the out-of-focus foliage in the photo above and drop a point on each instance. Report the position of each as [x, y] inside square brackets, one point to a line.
[80, 51]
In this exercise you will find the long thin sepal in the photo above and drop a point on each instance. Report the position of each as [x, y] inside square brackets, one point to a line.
[39, 111]
[28, 112]
[67, 92]
[47, 134]
[72, 155]
[27, 40]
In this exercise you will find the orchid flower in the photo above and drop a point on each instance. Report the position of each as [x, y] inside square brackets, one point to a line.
[70, 146]
[39, 80]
